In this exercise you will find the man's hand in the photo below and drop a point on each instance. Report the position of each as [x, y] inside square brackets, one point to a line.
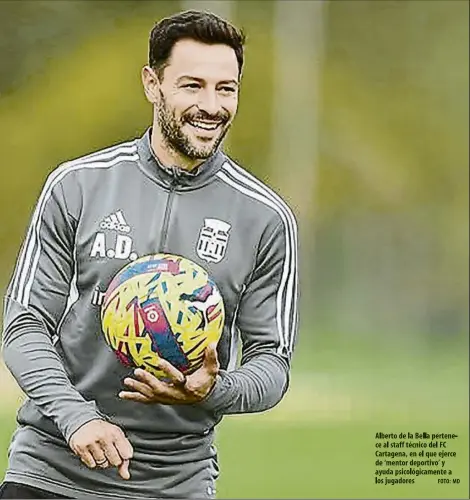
[181, 390]
[101, 444]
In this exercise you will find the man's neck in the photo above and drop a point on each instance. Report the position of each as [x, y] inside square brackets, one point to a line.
[170, 158]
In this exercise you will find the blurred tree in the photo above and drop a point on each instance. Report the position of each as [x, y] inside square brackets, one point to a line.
[394, 167]
[34, 31]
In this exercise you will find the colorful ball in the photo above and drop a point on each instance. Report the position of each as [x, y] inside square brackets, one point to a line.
[162, 306]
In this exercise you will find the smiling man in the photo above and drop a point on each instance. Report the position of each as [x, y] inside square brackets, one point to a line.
[90, 427]
[195, 93]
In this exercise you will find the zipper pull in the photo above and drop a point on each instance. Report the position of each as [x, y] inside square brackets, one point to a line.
[175, 176]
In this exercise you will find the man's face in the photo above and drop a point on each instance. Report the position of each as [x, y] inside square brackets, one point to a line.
[197, 98]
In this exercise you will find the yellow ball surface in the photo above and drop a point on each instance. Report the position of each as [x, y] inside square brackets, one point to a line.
[162, 306]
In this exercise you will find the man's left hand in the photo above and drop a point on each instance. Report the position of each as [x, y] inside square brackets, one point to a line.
[146, 388]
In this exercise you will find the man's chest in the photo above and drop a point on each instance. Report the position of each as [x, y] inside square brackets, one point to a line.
[128, 225]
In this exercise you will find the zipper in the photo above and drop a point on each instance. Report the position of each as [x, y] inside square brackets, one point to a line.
[166, 217]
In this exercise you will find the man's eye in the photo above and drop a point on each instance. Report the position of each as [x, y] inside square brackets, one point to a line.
[191, 86]
[228, 90]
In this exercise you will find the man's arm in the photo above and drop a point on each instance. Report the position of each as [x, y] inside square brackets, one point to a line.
[35, 302]
[267, 319]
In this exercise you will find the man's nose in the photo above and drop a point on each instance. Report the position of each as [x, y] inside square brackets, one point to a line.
[209, 102]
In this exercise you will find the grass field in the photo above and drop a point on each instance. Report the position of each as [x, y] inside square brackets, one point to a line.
[320, 441]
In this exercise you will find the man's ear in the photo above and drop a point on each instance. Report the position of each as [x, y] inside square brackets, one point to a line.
[151, 83]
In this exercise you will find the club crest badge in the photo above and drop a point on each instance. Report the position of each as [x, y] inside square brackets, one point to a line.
[213, 240]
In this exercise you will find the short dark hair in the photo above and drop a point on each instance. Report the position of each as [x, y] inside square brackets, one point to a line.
[204, 27]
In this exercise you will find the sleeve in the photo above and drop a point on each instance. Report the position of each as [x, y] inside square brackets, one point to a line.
[268, 322]
[35, 302]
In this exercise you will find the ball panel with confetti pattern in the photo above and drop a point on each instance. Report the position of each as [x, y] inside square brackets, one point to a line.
[162, 306]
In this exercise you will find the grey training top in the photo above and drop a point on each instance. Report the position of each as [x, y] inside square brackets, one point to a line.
[94, 216]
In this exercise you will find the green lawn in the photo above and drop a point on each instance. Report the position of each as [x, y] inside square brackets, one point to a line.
[321, 461]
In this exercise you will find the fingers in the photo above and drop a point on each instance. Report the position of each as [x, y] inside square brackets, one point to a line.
[108, 454]
[112, 455]
[125, 452]
[211, 360]
[174, 374]
[137, 386]
[101, 444]
[149, 379]
[166, 394]
[87, 458]
[120, 453]
[135, 396]
[169, 398]
[124, 448]
[146, 388]
[123, 470]
[99, 457]
[152, 384]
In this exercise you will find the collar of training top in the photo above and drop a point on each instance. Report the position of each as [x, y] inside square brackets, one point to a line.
[174, 176]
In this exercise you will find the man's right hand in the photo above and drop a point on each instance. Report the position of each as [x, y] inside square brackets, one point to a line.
[101, 444]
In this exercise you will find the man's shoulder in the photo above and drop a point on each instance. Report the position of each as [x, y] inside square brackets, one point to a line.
[110, 155]
[254, 189]
[99, 159]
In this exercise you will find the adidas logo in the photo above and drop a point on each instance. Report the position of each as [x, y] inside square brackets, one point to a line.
[115, 222]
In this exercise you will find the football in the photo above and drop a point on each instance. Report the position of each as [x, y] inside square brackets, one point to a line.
[162, 306]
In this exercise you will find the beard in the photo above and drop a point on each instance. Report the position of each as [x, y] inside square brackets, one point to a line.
[181, 142]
